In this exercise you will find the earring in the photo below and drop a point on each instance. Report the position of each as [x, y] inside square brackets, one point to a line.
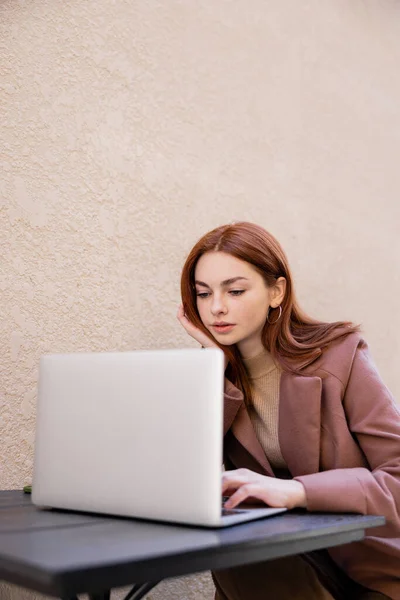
[276, 320]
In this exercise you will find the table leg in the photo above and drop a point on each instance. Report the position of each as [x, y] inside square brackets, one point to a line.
[140, 590]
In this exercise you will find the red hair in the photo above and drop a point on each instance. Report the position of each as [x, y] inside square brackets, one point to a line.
[294, 340]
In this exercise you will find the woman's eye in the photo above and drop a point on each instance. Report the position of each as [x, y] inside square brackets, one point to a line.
[232, 292]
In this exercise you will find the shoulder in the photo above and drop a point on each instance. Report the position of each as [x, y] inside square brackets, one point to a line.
[338, 357]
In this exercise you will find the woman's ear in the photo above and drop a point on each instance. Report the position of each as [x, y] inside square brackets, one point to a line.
[278, 291]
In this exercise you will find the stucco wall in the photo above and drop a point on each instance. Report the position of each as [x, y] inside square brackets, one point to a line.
[128, 129]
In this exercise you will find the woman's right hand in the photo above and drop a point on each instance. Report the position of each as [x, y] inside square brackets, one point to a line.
[196, 333]
[193, 331]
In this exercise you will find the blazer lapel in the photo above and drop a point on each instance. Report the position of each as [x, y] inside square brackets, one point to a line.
[243, 431]
[300, 422]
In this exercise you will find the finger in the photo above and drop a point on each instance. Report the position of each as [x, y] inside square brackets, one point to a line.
[193, 331]
[241, 494]
[181, 313]
[188, 325]
[236, 475]
[184, 321]
[233, 480]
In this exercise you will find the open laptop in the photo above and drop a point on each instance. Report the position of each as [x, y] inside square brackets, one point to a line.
[137, 434]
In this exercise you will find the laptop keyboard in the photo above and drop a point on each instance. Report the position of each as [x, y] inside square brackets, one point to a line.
[228, 512]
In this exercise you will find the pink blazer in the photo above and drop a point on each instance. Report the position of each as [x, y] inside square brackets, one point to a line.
[339, 432]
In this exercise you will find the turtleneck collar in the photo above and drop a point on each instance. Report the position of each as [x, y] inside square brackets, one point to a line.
[259, 365]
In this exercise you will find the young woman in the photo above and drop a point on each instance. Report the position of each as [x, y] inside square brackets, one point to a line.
[307, 420]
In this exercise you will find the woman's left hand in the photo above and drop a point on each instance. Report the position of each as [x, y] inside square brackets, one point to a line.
[243, 484]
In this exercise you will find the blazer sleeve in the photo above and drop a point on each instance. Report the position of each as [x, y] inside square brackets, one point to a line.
[374, 419]
[233, 399]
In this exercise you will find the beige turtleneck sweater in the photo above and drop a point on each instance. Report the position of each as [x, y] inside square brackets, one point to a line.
[265, 378]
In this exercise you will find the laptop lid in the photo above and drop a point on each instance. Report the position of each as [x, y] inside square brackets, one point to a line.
[131, 433]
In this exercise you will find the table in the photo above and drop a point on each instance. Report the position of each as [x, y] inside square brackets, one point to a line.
[64, 553]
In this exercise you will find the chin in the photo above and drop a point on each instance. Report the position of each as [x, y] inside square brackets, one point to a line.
[225, 341]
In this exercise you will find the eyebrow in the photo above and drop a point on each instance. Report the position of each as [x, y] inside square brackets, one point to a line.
[223, 283]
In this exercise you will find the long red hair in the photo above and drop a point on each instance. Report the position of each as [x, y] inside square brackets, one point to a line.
[294, 340]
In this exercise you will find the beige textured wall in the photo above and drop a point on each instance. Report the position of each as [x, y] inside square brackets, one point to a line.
[130, 128]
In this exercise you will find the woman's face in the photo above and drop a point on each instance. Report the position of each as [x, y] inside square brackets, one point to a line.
[233, 300]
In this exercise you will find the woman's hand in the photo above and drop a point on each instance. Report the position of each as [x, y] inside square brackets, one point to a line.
[193, 331]
[243, 484]
[196, 333]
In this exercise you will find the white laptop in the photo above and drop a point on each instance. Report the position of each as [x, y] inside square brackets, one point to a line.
[137, 434]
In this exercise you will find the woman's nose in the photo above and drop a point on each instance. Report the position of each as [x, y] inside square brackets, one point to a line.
[218, 306]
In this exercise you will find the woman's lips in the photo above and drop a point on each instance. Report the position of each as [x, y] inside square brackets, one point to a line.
[223, 328]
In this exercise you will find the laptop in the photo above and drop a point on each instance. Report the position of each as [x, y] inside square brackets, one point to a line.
[136, 434]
